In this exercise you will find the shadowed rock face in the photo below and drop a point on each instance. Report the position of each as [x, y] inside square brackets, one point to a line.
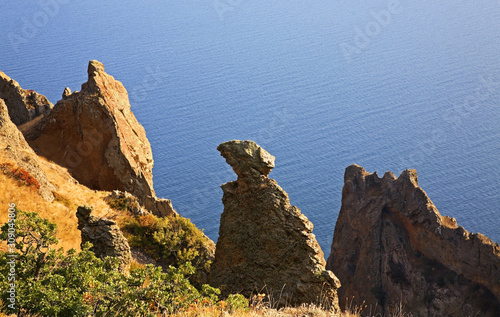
[96, 136]
[14, 147]
[265, 244]
[24, 105]
[391, 245]
[105, 236]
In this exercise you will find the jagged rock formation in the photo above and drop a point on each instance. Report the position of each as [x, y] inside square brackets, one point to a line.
[105, 235]
[151, 205]
[266, 245]
[14, 147]
[391, 245]
[95, 135]
[160, 207]
[24, 105]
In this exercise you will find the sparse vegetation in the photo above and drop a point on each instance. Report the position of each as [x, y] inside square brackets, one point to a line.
[170, 241]
[122, 203]
[68, 196]
[19, 174]
[64, 200]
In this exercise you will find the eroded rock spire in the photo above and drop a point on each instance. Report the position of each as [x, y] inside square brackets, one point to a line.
[265, 244]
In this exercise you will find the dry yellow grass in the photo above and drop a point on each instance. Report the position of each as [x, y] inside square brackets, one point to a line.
[302, 311]
[69, 195]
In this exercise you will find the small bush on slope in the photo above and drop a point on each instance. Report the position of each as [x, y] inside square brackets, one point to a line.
[50, 282]
[170, 241]
[19, 174]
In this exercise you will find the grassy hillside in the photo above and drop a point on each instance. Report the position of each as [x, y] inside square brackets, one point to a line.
[69, 195]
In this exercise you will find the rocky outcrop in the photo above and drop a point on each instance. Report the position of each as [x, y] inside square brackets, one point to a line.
[150, 205]
[126, 201]
[392, 246]
[105, 236]
[24, 105]
[15, 148]
[160, 207]
[265, 244]
[96, 136]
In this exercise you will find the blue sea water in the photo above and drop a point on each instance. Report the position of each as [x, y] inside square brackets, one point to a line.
[385, 84]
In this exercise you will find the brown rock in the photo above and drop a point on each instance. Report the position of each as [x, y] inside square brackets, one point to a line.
[247, 158]
[150, 205]
[66, 93]
[392, 246]
[265, 244]
[97, 137]
[160, 207]
[14, 147]
[105, 236]
[24, 105]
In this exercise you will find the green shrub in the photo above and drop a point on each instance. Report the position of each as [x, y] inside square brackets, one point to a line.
[236, 302]
[121, 203]
[171, 241]
[50, 282]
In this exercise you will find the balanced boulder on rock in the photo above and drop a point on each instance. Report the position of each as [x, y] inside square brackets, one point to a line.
[391, 246]
[265, 244]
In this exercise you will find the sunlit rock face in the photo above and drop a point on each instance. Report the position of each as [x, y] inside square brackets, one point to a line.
[96, 136]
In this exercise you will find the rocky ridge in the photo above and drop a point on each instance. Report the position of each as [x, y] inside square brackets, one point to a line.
[265, 244]
[15, 148]
[391, 245]
[23, 105]
[150, 205]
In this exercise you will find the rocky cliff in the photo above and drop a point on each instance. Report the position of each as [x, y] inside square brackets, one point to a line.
[265, 244]
[15, 149]
[105, 236]
[391, 246]
[24, 105]
[95, 135]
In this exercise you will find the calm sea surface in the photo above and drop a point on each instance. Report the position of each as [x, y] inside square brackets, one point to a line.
[388, 85]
